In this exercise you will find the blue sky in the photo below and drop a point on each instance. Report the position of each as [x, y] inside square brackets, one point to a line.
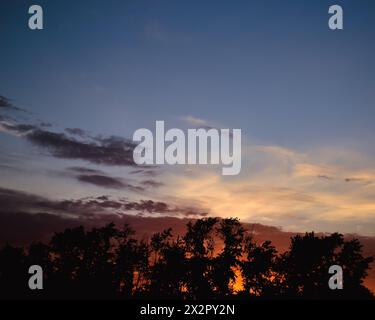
[274, 70]
[271, 68]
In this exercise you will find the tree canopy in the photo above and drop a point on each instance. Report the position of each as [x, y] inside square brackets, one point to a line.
[214, 259]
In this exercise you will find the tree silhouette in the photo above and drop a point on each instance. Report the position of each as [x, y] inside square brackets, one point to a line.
[216, 258]
[259, 269]
[303, 269]
[131, 262]
[355, 268]
[199, 243]
[13, 272]
[168, 276]
[226, 263]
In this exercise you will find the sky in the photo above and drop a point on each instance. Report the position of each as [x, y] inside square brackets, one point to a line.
[302, 94]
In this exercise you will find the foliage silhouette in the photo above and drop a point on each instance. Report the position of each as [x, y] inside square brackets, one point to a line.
[215, 259]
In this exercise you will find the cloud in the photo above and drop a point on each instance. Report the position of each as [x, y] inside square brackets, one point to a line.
[150, 206]
[362, 180]
[84, 170]
[193, 121]
[152, 183]
[324, 189]
[107, 182]
[280, 186]
[323, 176]
[18, 201]
[15, 129]
[21, 228]
[112, 151]
[146, 172]
[44, 124]
[6, 103]
[76, 131]
[101, 179]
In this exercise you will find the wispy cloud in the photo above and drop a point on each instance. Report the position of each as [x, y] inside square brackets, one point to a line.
[107, 182]
[152, 183]
[280, 186]
[14, 128]
[76, 131]
[6, 103]
[19, 201]
[193, 121]
[325, 189]
[110, 151]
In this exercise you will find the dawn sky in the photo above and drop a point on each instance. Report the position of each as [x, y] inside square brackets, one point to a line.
[302, 94]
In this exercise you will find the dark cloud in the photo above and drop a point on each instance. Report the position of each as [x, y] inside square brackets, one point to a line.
[107, 182]
[17, 128]
[13, 168]
[103, 198]
[12, 200]
[322, 176]
[18, 201]
[6, 103]
[76, 131]
[357, 180]
[364, 181]
[21, 228]
[25, 217]
[152, 183]
[45, 124]
[100, 179]
[150, 206]
[84, 170]
[146, 172]
[112, 151]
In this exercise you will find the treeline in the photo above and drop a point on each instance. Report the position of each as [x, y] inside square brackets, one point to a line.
[215, 259]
